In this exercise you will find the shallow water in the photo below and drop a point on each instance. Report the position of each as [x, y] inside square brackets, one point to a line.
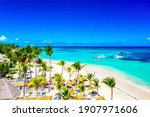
[134, 61]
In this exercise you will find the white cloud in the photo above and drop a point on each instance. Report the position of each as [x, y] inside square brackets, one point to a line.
[68, 42]
[26, 41]
[2, 38]
[148, 38]
[47, 41]
[17, 39]
[123, 40]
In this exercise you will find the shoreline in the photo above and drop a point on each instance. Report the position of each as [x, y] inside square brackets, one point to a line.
[124, 90]
[126, 85]
[129, 78]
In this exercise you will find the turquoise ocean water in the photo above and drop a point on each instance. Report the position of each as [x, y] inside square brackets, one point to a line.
[133, 61]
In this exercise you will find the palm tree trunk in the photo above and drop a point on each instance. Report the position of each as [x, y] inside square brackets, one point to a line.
[62, 70]
[76, 81]
[10, 71]
[35, 70]
[111, 93]
[50, 68]
[70, 76]
[77, 75]
[97, 90]
[42, 88]
[36, 92]
[44, 78]
[24, 85]
[83, 93]
[19, 71]
[30, 68]
[42, 72]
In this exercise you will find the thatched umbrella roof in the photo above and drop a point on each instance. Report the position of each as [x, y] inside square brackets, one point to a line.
[19, 84]
[8, 91]
[100, 98]
[69, 83]
[79, 97]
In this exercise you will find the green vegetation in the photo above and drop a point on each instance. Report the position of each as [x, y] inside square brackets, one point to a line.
[24, 69]
[4, 68]
[37, 83]
[65, 93]
[49, 51]
[96, 84]
[110, 81]
[69, 70]
[61, 63]
[77, 66]
[90, 77]
[58, 79]
[25, 58]
[81, 88]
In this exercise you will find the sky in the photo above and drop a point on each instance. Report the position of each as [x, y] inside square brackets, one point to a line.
[75, 22]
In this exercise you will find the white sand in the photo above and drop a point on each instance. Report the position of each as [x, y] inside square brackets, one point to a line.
[124, 90]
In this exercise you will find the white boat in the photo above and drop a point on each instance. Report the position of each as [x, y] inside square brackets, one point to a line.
[100, 56]
[117, 56]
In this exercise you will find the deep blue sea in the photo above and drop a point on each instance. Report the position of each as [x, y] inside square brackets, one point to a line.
[133, 61]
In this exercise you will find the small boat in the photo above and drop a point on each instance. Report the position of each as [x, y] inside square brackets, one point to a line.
[117, 56]
[100, 56]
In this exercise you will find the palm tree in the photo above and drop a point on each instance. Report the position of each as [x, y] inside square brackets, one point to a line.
[37, 52]
[58, 78]
[39, 61]
[69, 70]
[23, 60]
[77, 66]
[82, 79]
[19, 56]
[49, 51]
[81, 88]
[65, 93]
[110, 81]
[11, 56]
[30, 56]
[24, 69]
[44, 69]
[59, 81]
[96, 84]
[89, 77]
[37, 83]
[59, 86]
[4, 68]
[61, 63]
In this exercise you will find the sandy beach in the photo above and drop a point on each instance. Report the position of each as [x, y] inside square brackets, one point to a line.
[124, 90]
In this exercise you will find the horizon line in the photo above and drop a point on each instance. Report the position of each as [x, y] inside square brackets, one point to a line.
[91, 46]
